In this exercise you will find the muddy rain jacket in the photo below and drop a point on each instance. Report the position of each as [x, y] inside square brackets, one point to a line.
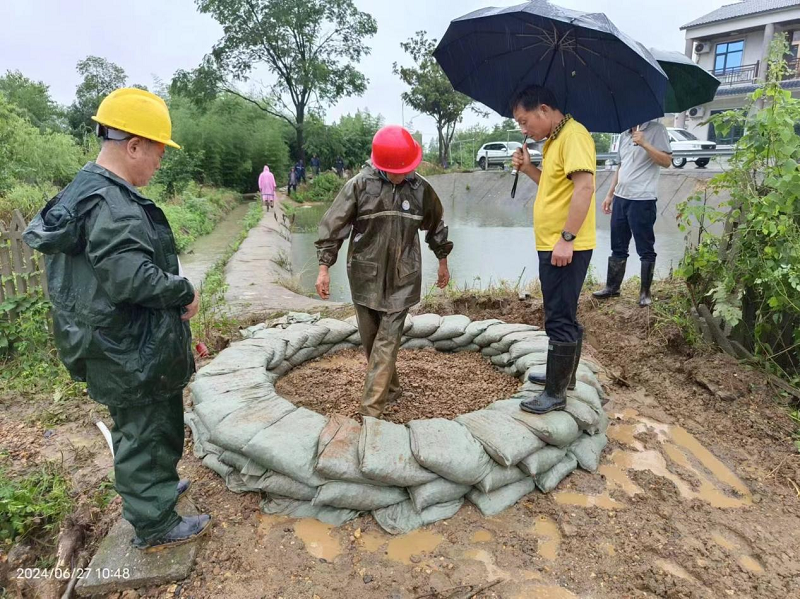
[112, 271]
[383, 221]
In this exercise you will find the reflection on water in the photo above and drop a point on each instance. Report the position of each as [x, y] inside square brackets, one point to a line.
[493, 238]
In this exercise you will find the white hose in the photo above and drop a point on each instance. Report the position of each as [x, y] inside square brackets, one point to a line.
[107, 434]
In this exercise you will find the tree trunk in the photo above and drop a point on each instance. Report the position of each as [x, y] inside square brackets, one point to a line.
[441, 145]
[300, 129]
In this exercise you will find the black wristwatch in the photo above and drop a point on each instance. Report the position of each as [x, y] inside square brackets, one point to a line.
[567, 236]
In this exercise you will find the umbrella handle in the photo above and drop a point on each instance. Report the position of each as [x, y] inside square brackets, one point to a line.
[516, 173]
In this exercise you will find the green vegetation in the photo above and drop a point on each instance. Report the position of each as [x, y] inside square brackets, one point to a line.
[350, 137]
[323, 188]
[749, 274]
[33, 506]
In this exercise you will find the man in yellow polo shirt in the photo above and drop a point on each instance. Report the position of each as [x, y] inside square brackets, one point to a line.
[564, 225]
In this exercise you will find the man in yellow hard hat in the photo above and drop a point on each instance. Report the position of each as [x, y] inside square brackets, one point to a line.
[121, 310]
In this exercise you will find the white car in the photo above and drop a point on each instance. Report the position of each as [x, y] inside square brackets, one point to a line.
[682, 140]
[498, 153]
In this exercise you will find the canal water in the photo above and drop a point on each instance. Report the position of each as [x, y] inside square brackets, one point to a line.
[493, 234]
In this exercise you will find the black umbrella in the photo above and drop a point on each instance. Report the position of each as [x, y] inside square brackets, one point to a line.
[605, 79]
[689, 84]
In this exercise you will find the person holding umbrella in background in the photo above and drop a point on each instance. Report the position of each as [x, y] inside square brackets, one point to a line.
[564, 226]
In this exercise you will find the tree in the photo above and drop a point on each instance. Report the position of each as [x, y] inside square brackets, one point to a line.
[310, 46]
[32, 99]
[431, 92]
[100, 78]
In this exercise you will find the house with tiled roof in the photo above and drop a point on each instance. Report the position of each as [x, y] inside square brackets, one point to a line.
[732, 43]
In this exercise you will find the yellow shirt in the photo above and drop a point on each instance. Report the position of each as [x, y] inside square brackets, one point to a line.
[569, 150]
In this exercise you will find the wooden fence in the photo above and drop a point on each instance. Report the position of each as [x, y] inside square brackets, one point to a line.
[21, 269]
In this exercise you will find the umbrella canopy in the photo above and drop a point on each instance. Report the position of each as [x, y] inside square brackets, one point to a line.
[605, 79]
[689, 84]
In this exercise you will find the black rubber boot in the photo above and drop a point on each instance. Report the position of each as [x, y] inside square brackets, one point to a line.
[648, 268]
[560, 363]
[541, 379]
[188, 529]
[616, 272]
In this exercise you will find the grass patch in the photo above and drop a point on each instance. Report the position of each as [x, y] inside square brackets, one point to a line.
[283, 260]
[34, 506]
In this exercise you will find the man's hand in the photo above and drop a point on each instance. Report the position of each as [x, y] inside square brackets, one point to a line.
[191, 309]
[562, 253]
[324, 283]
[521, 159]
[444, 274]
[638, 138]
[607, 204]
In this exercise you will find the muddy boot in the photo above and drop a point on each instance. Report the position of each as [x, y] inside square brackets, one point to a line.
[187, 530]
[183, 486]
[616, 272]
[648, 268]
[560, 363]
[541, 379]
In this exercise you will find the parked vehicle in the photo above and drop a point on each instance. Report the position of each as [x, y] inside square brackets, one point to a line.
[683, 140]
[498, 153]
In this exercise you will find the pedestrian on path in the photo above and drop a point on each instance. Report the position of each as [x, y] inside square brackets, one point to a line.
[121, 310]
[300, 170]
[631, 202]
[266, 184]
[382, 210]
[339, 166]
[564, 226]
[315, 164]
[292, 184]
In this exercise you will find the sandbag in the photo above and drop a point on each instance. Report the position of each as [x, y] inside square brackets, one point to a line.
[463, 340]
[212, 462]
[448, 449]
[337, 451]
[296, 339]
[542, 460]
[523, 348]
[355, 496]
[417, 344]
[471, 348]
[438, 491]
[500, 476]
[424, 325]
[402, 518]
[290, 446]
[488, 352]
[284, 506]
[451, 327]
[587, 450]
[277, 343]
[279, 484]
[235, 358]
[494, 333]
[491, 504]
[555, 428]
[503, 438]
[588, 395]
[305, 354]
[282, 368]
[446, 345]
[507, 341]
[212, 387]
[384, 452]
[585, 417]
[535, 362]
[252, 468]
[213, 410]
[479, 326]
[550, 479]
[235, 460]
[202, 445]
[240, 484]
[501, 360]
[237, 429]
[338, 330]
[355, 338]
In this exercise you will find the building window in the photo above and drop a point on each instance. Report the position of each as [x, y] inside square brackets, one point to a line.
[728, 57]
[729, 139]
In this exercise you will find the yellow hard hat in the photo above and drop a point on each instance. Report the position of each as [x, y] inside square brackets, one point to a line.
[138, 112]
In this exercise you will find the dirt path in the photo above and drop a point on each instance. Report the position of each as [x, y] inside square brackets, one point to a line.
[254, 272]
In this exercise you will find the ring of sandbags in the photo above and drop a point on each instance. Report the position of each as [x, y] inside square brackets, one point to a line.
[332, 468]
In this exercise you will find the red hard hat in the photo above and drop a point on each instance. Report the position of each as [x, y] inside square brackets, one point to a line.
[395, 151]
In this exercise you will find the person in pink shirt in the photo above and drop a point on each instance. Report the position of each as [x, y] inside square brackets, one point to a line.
[266, 183]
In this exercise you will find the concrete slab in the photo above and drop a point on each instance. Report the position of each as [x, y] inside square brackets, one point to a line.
[118, 565]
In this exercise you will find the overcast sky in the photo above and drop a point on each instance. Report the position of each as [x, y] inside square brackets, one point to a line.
[46, 38]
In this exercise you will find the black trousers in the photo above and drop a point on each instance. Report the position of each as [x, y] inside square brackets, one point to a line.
[633, 218]
[561, 290]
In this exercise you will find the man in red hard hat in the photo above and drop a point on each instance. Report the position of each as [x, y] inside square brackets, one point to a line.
[381, 210]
